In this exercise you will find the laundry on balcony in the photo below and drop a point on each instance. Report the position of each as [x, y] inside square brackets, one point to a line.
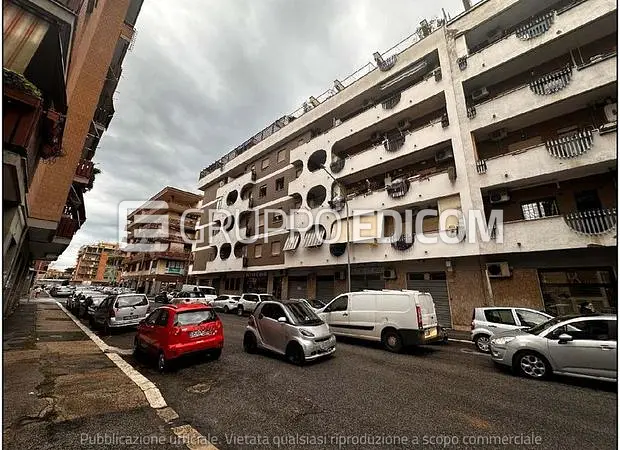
[535, 27]
[394, 141]
[384, 64]
[397, 188]
[570, 146]
[403, 242]
[481, 166]
[337, 203]
[314, 237]
[592, 222]
[552, 82]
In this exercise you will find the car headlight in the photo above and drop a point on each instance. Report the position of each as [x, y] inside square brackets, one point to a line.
[306, 333]
[502, 340]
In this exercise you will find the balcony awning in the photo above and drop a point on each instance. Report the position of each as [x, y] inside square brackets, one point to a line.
[364, 228]
[314, 237]
[22, 34]
[292, 242]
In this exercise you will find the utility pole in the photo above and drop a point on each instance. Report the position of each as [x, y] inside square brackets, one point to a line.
[346, 210]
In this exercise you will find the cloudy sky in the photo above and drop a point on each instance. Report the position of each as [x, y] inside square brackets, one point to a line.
[205, 75]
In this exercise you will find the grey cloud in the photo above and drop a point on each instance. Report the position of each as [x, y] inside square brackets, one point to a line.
[205, 75]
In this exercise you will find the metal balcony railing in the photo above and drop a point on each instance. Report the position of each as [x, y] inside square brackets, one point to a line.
[552, 82]
[592, 222]
[536, 26]
[570, 146]
[404, 242]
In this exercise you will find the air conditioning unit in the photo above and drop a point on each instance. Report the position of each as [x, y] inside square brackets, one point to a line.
[389, 274]
[444, 155]
[340, 275]
[611, 112]
[498, 270]
[479, 94]
[498, 135]
[499, 197]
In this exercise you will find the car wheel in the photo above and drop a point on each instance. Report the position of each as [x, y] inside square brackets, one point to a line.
[162, 362]
[392, 341]
[249, 342]
[482, 342]
[215, 354]
[226, 310]
[295, 354]
[240, 310]
[533, 365]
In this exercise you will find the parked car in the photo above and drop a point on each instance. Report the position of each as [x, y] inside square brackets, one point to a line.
[485, 322]
[395, 318]
[191, 297]
[226, 303]
[61, 291]
[248, 302]
[290, 328]
[172, 331]
[209, 291]
[313, 303]
[582, 346]
[163, 297]
[92, 303]
[123, 310]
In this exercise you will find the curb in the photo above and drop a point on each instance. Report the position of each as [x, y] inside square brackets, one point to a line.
[190, 435]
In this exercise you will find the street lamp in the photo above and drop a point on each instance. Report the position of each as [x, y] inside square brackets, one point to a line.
[346, 211]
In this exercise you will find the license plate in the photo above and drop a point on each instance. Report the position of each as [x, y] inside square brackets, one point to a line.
[430, 333]
[199, 333]
[131, 317]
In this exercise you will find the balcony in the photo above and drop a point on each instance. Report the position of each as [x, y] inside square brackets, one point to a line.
[544, 92]
[552, 160]
[574, 230]
[174, 271]
[84, 172]
[67, 227]
[518, 42]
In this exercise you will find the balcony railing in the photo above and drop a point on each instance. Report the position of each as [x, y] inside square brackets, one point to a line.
[592, 222]
[66, 227]
[84, 169]
[570, 146]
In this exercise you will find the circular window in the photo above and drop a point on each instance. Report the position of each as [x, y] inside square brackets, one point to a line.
[317, 160]
[246, 191]
[225, 251]
[231, 198]
[239, 250]
[216, 227]
[316, 196]
[211, 253]
[229, 223]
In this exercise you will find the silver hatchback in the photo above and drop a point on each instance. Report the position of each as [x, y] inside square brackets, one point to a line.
[116, 311]
[583, 346]
[290, 328]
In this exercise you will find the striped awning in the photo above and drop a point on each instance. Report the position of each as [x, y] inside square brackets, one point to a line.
[314, 237]
[292, 242]
[22, 33]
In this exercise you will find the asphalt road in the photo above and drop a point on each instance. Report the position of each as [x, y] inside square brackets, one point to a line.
[445, 395]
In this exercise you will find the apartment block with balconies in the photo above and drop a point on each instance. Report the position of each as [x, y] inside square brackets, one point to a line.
[509, 108]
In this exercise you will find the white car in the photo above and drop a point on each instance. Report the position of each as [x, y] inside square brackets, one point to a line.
[226, 303]
[248, 302]
[395, 318]
[208, 291]
[191, 297]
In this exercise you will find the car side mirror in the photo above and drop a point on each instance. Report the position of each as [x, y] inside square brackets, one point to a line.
[564, 338]
[282, 319]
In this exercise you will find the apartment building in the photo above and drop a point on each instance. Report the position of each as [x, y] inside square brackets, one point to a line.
[510, 108]
[165, 224]
[61, 64]
[94, 262]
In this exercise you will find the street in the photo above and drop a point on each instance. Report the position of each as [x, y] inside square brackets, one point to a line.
[435, 395]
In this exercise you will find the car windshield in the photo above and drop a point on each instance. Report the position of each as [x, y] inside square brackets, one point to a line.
[131, 300]
[195, 317]
[97, 300]
[192, 294]
[316, 303]
[302, 314]
[267, 298]
[537, 329]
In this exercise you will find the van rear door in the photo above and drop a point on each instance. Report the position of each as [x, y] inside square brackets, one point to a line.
[427, 306]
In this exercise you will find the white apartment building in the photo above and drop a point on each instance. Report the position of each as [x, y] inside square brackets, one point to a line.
[510, 107]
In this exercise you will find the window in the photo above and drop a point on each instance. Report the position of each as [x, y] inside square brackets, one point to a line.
[195, 317]
[279, 184]
[591, 330]
[262, 191]
[261, 221]
[539, 209]
[251, 297]
[587, 200]
[272, 311]
[530, 318]
[340, 304]
[174, 264]
[232, 284]
[503, 316]
[162, 320]
[153, 317]
[275, 248]
[281, 156]
[258, 250]
[131, 300]
[277, 218]
[265, 163]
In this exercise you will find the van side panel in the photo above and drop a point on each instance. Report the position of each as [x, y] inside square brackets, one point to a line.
[362, 314]
[429, 316]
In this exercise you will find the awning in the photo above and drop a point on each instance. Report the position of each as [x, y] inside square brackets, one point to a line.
[364, 228]
[22, 33]
[292, 242]
[314, 237]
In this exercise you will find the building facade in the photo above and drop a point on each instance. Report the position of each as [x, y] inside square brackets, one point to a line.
[160, 222]
[508, 108]
[95, 262]
[61, 64]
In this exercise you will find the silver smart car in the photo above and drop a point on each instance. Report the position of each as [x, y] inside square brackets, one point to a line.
[582, 346]
[290, 328]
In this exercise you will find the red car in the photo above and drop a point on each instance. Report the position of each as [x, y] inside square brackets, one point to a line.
[172, 331]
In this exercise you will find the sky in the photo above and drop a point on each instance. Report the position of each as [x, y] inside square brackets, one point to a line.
[205, 75]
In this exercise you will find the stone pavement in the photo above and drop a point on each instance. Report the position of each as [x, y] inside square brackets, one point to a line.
[61, 391]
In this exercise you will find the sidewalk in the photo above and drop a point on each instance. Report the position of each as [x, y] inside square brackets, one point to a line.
[61, 391]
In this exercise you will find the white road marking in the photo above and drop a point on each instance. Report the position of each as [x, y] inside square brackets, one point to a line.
[192, 438]
[474, 352]
[463, 341]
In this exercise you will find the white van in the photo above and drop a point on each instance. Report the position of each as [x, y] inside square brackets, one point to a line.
[396, 318]
[208, 291]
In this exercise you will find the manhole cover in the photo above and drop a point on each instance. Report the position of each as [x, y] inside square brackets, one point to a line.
[200, 388]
